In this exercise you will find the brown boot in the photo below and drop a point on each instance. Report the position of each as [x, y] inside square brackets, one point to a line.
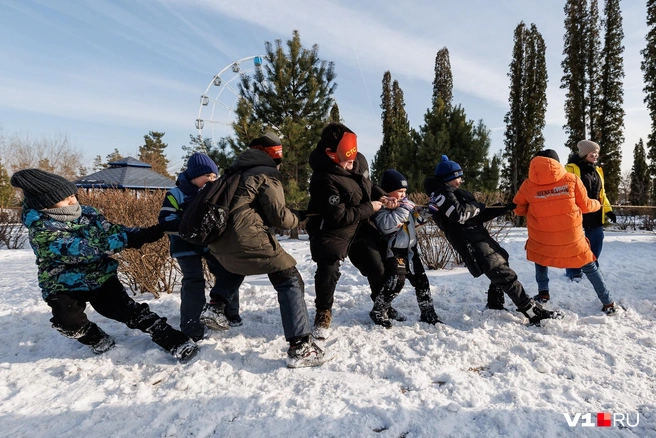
[322, 321]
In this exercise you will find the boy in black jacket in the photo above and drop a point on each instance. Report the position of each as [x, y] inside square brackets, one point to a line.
[461, 217]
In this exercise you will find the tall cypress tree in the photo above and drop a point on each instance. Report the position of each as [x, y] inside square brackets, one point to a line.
[593, 71]
[639, 193]
[396, 151]
[334, 114]
[648, 67]
[525, 119]
[292, 94]
[574, 71]
[611, 122]
[443, 82]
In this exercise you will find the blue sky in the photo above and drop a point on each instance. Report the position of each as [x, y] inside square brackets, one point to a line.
[105, 73]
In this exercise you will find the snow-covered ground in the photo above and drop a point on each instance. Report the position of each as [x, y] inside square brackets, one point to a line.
[481, 374]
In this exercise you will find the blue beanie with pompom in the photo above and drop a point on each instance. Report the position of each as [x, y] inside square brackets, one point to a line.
[448, 170]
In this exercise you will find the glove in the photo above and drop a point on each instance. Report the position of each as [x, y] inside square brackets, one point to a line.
[407, 204]
[300, 214]
[511, 206]
[432, 205]
[610, 215]
[424, 213]
[137, 239]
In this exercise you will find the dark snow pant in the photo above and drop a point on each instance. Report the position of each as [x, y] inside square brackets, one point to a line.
[192, 292]
[396, 272]
[111, 301]
[365, 255]
[505, 279]
[288, 284]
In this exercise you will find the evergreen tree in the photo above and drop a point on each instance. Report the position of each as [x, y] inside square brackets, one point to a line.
[525, 119]
[114, 156]
[292, 94]
[334, 114]
[397, 149]
[639, 193]
[152, 152]
[491, 173]
[574, 71]
[648, 67]
[98, 164]
[443, 82]
[593, 68]
[611, 123]
[7, 192]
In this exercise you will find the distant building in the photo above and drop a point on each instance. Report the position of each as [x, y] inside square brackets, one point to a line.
[127, 173]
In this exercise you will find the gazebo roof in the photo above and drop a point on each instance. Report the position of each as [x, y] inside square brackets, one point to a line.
[127, 173]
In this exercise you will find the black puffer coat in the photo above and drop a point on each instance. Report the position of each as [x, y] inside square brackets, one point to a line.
[340, 199]
[461, 218]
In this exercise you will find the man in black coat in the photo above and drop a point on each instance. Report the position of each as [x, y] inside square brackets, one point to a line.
[342, 201]
[461, 217]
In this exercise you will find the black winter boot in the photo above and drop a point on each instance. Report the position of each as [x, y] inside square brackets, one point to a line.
[535, 313]
[427, 309]
[495, 298]
[379, 313]
[172, 340]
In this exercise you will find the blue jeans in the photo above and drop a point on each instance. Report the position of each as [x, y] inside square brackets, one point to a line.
[192, 292]
[594, 275]
[542, 277]
[291, 298]
[596, 237]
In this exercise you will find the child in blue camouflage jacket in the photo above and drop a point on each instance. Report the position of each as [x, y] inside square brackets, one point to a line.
[73, 245]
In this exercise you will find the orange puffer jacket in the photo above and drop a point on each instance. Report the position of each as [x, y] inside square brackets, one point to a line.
[553, 202]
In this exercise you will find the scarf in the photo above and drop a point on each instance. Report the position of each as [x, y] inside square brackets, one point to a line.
[64, 214]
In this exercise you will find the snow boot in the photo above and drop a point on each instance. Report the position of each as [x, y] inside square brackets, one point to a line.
[394, 314]
[213, 316]
[495, 298]
[379, 313]
[104, 343]
[303, 352]
[185, 351]
[322, 320]
[542, 297]
[610, 309]
[535, 313]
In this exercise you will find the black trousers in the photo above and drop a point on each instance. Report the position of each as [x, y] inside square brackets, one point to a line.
[111, 301]
[505, 279]
[365, 254]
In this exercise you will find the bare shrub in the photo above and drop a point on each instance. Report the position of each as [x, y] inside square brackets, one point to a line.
[149, 269]
[13, 235]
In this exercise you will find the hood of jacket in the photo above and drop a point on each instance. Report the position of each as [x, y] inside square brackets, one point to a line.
[543, 171]
[251, 158]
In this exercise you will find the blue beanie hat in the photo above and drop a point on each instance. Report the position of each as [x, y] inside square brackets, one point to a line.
[448, 170]
[393, 180]
[200, 164]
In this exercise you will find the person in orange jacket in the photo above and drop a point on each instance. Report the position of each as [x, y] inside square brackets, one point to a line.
[553, 202]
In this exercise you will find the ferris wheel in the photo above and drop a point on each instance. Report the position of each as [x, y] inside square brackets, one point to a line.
[219, 101]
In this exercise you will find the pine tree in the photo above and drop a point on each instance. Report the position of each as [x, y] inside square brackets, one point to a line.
[525, 119]
[152, 152]
[611, 122]
[7, 192]
[292, 94]
[639, 193]
[648, 67]
[443, 82]
[491, 173]
[574, 71]
[334, 114]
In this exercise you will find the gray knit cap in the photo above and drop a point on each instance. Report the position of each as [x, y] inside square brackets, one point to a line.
[587, 146]
[42, 189]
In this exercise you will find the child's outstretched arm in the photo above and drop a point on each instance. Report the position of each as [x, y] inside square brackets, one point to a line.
[454, 210]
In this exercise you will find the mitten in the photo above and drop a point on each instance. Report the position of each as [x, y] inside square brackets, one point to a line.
[137, 239]
[610, 215]
[300, 214]
[424, 213]
[407, 204]
[432, 204]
